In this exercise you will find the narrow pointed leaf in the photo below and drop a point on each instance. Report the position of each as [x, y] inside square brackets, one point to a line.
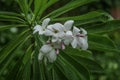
[104, 27]
[90, 17]
[70, 6]
[101, 43]
[82, 70]
[3, 27]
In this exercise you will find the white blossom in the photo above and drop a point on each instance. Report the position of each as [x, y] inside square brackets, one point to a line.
[56, 31]
[68, 33]
[47, 51]
[80, 39]
[59, 36]
[41, 28]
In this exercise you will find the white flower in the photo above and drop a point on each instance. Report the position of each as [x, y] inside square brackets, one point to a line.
[41, 28]
[47, 51]
[80, 39]
[60, 35]
[68, 33]
[68, 25]
[56, 31]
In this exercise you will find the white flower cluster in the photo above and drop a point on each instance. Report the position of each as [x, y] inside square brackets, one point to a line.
[60, 36]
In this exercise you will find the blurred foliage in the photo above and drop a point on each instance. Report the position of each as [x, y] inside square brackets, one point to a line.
[109, 60]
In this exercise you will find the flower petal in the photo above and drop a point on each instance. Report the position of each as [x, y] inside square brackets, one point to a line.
[51, 56]
[58, 27]
[36, 28]
[40, 56]
[45, 22]
[57, 51]
[76, 30]
[83, 31]
[68, 24]
[50, 27]
[69, 33]
[82, 42]
[68, 41]
[85, 46]
[68, 38]
[60, 35]
[62, 46]
[74, 43]
[41, 32]
[48, 32]
[35, 31]
[54, 39]
[46, 49]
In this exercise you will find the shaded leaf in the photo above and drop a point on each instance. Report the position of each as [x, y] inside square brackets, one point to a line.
[91, 65]
[89, 17]
[104, 27]
[69, 6]
[101, 43]
[3, 27]
[73, 51]
[82, 72]
[6, 54]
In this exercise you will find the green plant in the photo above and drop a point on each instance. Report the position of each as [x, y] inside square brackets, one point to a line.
[71, 64]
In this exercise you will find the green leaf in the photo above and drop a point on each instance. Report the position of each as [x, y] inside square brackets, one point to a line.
[69, 6]
[78, 52]
[87, 18]
[91, 65]
[6, 52]
[15, 69]
[58, 74]
[3, 27]
[48, 4]
[48, 71]
[37, 6]
[30, 3]
[104, 27]
[67, 69]
[83, 57]
[36, 66]
[76, 68]
[27, 63]
[10, 14]
[27, 71]
[12, 17]
[28, 54]
[101, 43]
[19, 73]
[24, 6]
